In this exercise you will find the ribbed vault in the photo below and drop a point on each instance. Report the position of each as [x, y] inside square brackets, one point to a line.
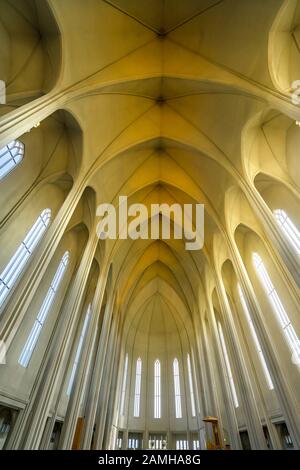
[162, 104]
[162, 101]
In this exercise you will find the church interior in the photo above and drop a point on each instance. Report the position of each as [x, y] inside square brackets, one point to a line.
[142, 344]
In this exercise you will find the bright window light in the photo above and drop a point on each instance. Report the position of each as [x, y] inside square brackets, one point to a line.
[182, 444]
[10, 156]
[288, 228]
[157, 390]
[18, 261]
[137, 392]
[281, 315]
[177, 394]
[44, 310]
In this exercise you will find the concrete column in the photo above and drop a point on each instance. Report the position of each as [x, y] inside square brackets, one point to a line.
[198, 385]
[94, 391]
[113, 397]
[125, 440]
[209, 397]
[286, 396]
[214, 394]
[225, 392]
[29, 433]
[118, 382]
[106, 386]
[83, 368]
[254, 427]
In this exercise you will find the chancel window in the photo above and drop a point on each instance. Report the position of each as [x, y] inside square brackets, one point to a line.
[194, 440]
[16, 264]
[157, 441]
[228, 366]
[44, 310]
[78, 351]
[157, 390]
[10, 156]
[137, 391]
[119, 442]
[288, 228]
[182, 444]
[255, 339]
[135, 440]
[281, 315]
[177, 392]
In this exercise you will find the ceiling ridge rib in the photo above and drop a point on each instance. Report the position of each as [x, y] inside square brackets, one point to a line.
[106, 66]
[254, 83]
[25, 18]
[190, 18]
[113, 5]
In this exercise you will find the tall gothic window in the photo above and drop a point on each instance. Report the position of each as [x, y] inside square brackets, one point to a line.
[122, 404]
[255, 339]
[18, 261]
[157, 390]
[228, 367]
[177, 392]
[79, 349]
[10, 156]
[182, 444]
[288, 228]
[44, 310]
[281, 315]
[192, 395]
[137, 391]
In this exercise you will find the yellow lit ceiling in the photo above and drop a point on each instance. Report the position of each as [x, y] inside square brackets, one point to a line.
[163, 91]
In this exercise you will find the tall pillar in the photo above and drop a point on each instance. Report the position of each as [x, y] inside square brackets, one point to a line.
[209, 406]
[226, 392]
[96, 378]
[113, 396]
[29, 433]
[83, 368]
[254, 427]
[285, 395]
[117, 387]
[209, 358]
[106, 385]
[199, 387]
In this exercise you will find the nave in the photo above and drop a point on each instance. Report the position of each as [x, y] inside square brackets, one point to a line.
[142, 344]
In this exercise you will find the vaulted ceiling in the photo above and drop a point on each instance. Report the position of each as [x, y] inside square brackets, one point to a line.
[163, 90]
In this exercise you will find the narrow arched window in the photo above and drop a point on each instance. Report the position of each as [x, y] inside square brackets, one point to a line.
[10, 156]
[44, 310]
[78, 351]
[228, 367]
[192, 395]
[137, 391]
[281, 315]
[157, 390]
[177, 392]
[122, 404]
[255, 339]
[288, 228]
[18, 261]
